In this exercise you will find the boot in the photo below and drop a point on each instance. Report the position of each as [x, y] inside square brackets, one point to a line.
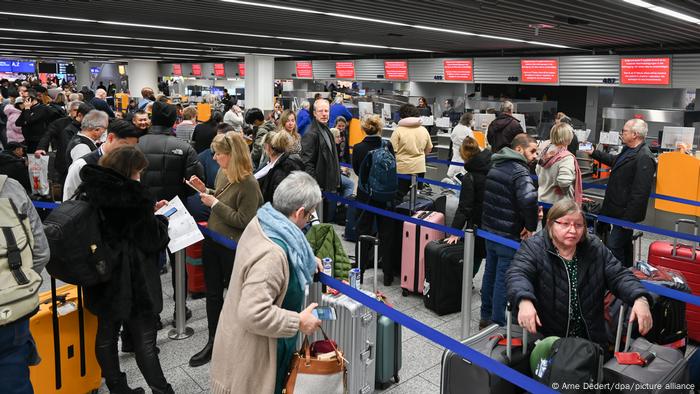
[120, 386]
[167, 390]
[204, 355]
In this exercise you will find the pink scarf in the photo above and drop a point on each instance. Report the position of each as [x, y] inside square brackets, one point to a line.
[553, 154]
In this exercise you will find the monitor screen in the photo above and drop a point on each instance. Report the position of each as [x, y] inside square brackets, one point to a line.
[197, 70]
[48, 68]
[5, 66]
[217, 90]
[23, 67]
[219, 70]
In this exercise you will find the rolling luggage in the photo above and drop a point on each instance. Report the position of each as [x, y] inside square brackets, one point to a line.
[442, 289]
[459, 375]
[686, 260]
[415, 238]
[388, 337]
[667, 369]
[195, 270]
[64, 332]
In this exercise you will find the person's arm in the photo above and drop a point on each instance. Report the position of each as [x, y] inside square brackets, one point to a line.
[395, 139]
[309, 153]
[566, 174]
[72, 180]
[463, 215]
[24, 118]
[40, 251]
[641, 189]
[605, 158]
[429, 145]
[79, 151]
[240, 212]
[526, 199]
[522, 274]
[52, 133]
[346, 114]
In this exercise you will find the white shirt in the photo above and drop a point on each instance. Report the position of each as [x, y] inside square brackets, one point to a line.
[81, 150]
[263, 171]
[73, 178]
[459, 133]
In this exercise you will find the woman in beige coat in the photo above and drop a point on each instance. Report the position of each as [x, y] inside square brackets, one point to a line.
[262, 313]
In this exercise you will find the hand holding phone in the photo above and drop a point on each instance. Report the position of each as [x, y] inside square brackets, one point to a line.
[196, 184]
[324, 313]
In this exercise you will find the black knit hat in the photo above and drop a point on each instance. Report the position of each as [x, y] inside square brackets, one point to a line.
[163, 114]
[123, 129]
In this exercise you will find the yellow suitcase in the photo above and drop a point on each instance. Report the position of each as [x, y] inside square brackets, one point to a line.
[75, 370]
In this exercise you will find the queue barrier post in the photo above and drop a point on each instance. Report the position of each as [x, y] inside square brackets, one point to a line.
[467, 281]
[181, 331]
[414, 191]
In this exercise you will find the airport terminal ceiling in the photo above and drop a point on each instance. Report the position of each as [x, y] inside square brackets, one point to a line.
[168, 30]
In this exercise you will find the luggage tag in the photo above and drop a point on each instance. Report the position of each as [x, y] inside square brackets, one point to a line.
[515, 342]
[635, 358]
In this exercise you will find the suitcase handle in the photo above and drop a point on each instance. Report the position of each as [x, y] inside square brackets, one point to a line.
[618, 335]
[693, 246]
[375, 243]
[509, 332]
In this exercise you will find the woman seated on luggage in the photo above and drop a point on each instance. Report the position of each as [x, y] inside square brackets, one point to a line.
[264, 307]
[471, 196]
[282, 162]
[540, 278]
[133, 294]
[233, 202]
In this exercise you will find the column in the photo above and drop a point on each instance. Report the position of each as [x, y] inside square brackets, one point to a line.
[259, 82]
[142, 73]
[82, 74]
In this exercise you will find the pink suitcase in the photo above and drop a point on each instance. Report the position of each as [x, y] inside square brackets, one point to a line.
[413, 250]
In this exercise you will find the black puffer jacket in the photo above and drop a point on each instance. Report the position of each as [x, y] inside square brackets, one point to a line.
[630, 183]
[283, 167]
[471, 197]
[537, 273]
[502, 131]
[510, 196]
[170, 161]
[15, 168]
[135, 237]
[35, 120]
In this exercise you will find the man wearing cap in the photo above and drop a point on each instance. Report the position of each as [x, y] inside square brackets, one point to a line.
[13, 165]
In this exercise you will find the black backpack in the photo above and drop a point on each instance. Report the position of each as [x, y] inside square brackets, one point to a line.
[572, 364]
[78, 255]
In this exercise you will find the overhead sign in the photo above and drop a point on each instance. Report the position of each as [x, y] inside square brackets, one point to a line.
[219, 70]
[94, 70]
[241, 69]
[539, 70]
[396, 70]
[6, 66]
[345, 70]
[305, 70]
[197, 70]
[177, 69]
[645, 71]
[458, 70]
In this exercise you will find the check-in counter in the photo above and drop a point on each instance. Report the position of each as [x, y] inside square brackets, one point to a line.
[678, 175]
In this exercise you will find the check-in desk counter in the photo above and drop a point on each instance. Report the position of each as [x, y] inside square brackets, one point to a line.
[678, 175]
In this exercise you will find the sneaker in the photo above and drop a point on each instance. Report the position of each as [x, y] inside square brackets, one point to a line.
[484, 323]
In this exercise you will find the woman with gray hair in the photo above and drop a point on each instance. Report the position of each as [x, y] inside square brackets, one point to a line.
[263, 310]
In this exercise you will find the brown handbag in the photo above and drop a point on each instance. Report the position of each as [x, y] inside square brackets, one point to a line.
[311, 375]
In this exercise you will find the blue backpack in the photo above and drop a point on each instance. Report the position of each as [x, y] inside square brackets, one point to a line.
[378, 174]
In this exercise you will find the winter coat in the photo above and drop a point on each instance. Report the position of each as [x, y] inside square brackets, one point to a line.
[502, 131]
[14, 132]
[15, 168]
[284, 166]
[170, 160]
[202, 136]
[135, 238]
[260, 133]
[510, 196]
[471, 196]
[411, 141]
[303, 120]
[539, 274]
[35, 120]
[338, 110]
[630, 183]
[326, 243]
[320, 159]
[57, 136]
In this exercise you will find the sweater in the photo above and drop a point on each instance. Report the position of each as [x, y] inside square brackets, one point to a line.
[236, 207]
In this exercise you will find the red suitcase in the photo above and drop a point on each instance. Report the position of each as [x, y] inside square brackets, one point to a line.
[415, 238]
[194, 267]
[686, 260]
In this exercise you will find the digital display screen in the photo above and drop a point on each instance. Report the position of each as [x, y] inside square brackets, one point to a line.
[94, 70]
[219, 70]
[177, 69]
[23, 67]
[48, 68]
[6, 66]
[197, 70]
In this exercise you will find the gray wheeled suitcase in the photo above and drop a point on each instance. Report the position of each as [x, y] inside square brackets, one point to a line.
[460, 376]
[666, 373]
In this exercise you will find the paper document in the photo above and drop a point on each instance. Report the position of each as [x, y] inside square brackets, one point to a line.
[182, 228]
[426, 120]
[443, 122]
[365, 108]
[582, 135]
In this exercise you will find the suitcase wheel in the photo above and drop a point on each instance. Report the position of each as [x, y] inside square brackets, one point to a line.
[404, 292]
[396, 378]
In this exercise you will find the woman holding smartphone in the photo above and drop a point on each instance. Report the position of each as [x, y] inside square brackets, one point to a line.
[234, 202]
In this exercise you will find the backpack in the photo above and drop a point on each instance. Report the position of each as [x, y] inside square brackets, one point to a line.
[19, 283]
[378, 174]
[572, 361]
[78, 255]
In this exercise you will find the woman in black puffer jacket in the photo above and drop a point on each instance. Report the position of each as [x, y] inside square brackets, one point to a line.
[540, 278]
[134, 237]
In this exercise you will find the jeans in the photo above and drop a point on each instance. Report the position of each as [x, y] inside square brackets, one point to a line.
[493, 287]
[17, 353]
[620, 244]
[218, 266]
[143, 333]
[346, 188]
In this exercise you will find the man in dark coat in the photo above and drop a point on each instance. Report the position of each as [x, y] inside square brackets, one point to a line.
[34, 120]
[510, 210]
[504, 128]
[13, 165]
[629, 186]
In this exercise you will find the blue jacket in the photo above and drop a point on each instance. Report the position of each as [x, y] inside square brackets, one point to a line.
[211, 167]
[303, 120]
[338, 110]
[510, 196]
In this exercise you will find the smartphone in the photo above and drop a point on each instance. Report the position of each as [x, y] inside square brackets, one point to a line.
[192, 186]
[324, 313]
[170, 212]
[585, 146]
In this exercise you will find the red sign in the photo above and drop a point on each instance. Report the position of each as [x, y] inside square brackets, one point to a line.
[458, 70]
[241, 69]
[645, 71]
[306, 70]
[397, 70]
[345, 70]
[197, 70]
[539, 70]
[219, 70]
[177, 69]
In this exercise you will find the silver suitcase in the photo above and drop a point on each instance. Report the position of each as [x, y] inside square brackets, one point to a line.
[355, 331]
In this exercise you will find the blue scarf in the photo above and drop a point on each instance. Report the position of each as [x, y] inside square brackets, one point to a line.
[301, 256]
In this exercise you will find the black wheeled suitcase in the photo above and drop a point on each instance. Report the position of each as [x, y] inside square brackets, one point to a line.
[442, 289]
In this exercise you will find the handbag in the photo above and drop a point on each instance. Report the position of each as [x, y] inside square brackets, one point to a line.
[320, 374]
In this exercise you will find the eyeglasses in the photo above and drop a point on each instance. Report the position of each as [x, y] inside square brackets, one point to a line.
[567, 225]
